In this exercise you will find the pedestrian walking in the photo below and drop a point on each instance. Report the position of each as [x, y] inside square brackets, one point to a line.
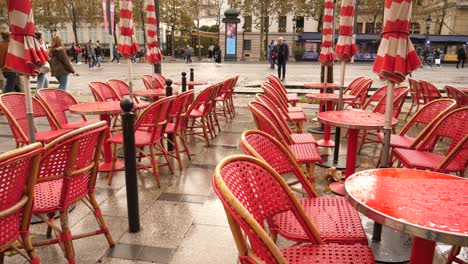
[91, 55]
[60, 65]
[282, 55]
[74, 53]
[189, 54]
[217, 54]
[437, 57]
[78, 54]
[461, 56]
[272, 54]
[99, 55]
[42, 81]
[10, 76]
[115, 53]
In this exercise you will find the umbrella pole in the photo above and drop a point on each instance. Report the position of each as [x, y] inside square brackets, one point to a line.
[153, 80]
[336, 151]
[388, 124]
[29, 108]
[130, 83]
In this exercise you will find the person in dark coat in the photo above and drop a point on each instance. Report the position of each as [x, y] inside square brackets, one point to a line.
[461, 56]
[217, 53]
[60, 65]
[10, 76]
[282, 55]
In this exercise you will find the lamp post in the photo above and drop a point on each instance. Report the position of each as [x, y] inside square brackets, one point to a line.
[293, 33]
[426, 44]
[243, 41]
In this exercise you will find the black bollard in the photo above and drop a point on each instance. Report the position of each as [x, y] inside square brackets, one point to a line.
[170, 137]
[192, 75]
[184, 82]
[128, 130]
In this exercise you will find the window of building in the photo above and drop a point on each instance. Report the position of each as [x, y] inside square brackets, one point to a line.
[415, 28]
[282, 24]
[299, 24]
[369, 28]
[247, 44]
[247, 24]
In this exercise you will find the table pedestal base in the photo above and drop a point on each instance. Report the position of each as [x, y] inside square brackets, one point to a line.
[107, 166]
[326, 143]
[395, 247]
[337, 188]
[327, 162]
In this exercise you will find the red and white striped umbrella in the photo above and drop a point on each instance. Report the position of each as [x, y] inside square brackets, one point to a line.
[154, 53]
[346, 46]
[128, 46]
[327, 56]
[25, 54]
[396, 56]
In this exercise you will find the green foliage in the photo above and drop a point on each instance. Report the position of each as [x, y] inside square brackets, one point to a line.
[299, 51]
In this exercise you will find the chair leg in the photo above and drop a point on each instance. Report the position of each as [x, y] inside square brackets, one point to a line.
[204, 128]
[182, 136]
[166, 155]
[409, 111]
[49, 229]
[363, 140]
[311, 171]
[452, 255]
[2, 256]
[299, 126]
[67, 238]
[102, 224]
[177, 151]
[114, 160]
[154, 164]
[215, 117]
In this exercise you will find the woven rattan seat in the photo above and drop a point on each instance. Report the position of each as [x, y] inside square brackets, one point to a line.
[252, 193]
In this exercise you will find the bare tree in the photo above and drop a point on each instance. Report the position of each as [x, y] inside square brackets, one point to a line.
[139, 9]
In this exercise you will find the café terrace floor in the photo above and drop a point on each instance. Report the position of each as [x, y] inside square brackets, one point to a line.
[183, 221]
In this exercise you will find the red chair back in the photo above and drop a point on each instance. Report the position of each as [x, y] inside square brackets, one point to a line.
[179, 108]
[57, 102]
[276, 120]
[416, 91]
[399, 95]
[268, 102]
[275, 82]
[120, 87]
[159, 81]
[360, 91]
[459, 96]
[429, 91]
[264, 124]
[71, 163]
[13, 106]
[376, 97]
[103, 92]
[265, 147]
[154, 118]
[18, 172]
[253, 193]
[202, 102]
[353, 84]
[275, 99]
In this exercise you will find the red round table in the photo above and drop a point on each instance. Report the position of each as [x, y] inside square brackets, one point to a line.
[427, 205]
[150, 92]
[329, 98]
[104, 110]
[354, 120]
[192, 84]
[321, 86]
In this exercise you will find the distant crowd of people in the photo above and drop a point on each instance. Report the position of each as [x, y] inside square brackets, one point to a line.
[214, 53]
[433, 56]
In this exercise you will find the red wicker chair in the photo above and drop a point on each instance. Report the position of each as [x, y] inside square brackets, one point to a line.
[103, 92]
[199, 115]
[149, 132]
[428, 116]
[159, 81]
[67, 174]
[360, 91]
[176, 124]
[425, 156]
[375, 98]
[304, 153]
[334, 218]
[429, 91]
[353, 84]
[58, 102]
[294, 115]
[281, 125]
[18, 174]
[249, 208]
[122, 89]
[457, 95]
[417, 98]
[224, 99]
[13, 106]
[399, 97]
[292, 98]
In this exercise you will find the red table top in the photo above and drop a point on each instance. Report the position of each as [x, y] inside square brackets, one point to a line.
[150, 92]
[330, 97]
[194, 83]
[321, 85]
[98, 108]
[425, 204]
[354, 119]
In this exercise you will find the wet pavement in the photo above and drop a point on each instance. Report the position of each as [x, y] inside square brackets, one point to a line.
[183, 221]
